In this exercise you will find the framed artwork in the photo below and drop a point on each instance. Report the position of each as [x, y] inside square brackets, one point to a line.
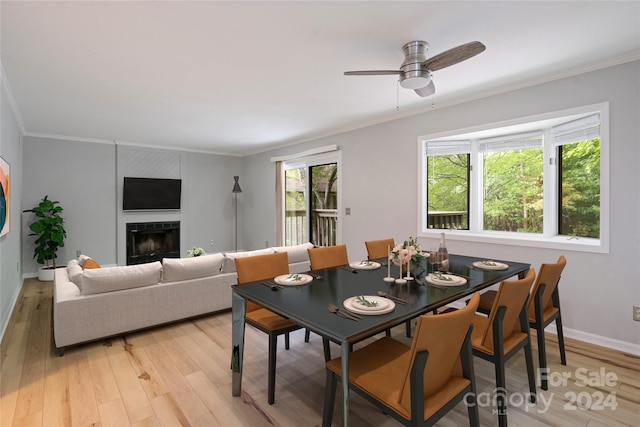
[5, 177]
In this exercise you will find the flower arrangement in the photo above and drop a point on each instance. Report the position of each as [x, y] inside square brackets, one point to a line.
[409, 250]
[196, 252]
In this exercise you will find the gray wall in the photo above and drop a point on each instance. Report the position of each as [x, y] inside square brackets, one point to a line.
[86, 178]
[10, 244]
[597, 290]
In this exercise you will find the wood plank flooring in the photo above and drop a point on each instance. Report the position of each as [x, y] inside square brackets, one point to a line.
[178, 375]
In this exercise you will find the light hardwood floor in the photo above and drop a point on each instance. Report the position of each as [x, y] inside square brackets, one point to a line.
[180, 375]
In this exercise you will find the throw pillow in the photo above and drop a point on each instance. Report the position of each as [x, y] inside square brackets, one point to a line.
[90, 263]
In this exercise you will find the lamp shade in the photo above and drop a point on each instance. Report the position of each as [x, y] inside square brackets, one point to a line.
[236, 185]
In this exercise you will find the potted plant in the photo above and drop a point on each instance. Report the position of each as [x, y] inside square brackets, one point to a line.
[48, 226]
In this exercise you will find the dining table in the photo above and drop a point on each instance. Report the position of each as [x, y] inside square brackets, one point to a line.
[308, 304]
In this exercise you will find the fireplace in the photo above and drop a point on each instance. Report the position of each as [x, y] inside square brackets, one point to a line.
[152, 241]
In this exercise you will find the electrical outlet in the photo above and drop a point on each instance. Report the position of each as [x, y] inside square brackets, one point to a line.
[636, 313]
[211, 242]
[78, 253]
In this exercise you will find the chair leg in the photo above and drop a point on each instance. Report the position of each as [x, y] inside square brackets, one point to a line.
[329, 398]
[542, 355]
[387, 332]
[563, 357]
[271, 387]
[307, 333]
[472, 409]
[408, 328]
[528, 355]
[286, 341]
[501, 391]
[327, 349]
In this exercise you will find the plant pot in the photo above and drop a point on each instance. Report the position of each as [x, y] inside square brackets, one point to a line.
[46, 274]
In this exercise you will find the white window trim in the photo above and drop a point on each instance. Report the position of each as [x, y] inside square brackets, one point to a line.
[547, 239]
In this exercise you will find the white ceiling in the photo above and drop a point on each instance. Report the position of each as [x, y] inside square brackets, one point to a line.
[240, 77]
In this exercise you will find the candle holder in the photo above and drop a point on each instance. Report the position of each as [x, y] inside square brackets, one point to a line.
[389, 279]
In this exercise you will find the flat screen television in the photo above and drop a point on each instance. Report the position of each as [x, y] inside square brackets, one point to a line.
[151, 193]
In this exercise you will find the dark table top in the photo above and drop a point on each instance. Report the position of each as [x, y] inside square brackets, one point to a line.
[307, 305]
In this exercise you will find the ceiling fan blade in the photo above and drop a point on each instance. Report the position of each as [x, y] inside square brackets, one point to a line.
[429, 89]
[453, 56]
[372, 73]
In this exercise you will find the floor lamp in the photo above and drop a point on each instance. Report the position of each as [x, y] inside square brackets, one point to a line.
[235, 191]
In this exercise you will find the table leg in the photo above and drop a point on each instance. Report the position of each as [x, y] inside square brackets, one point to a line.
[238, 309]
[346, 347]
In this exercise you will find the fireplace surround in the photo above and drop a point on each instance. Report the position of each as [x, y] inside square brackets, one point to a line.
[152, 241]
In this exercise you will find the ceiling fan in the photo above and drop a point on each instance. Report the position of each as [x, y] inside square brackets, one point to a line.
[415, 71]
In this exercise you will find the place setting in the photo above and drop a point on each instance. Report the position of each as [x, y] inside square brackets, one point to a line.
[489, 265]
[295, 279]
[369, 305]
[365, 265]
[443, 280]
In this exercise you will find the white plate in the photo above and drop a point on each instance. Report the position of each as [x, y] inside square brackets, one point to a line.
[490, 265]
[454, 280]
[293, 279]
[365, 265]
[385, 305]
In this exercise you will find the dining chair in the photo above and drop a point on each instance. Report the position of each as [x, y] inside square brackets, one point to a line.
[328, 256]
[262, 267]
[502, 333]
[379, 248]
[417, 384]
[543, 309]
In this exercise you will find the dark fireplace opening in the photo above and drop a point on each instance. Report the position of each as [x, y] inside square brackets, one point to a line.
[152, 241]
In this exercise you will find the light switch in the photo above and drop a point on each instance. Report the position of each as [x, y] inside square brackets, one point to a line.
[347, 211]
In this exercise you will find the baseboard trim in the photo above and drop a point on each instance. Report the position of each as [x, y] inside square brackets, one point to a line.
[624, 346]
[14, 300]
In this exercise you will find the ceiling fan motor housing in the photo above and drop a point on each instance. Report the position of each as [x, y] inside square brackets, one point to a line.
[413, 75]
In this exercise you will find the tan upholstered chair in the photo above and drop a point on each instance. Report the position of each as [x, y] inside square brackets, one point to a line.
[543, 309]
[503, 333]
[328, 256]
[379, 248]
[418, 384]
[261, 267]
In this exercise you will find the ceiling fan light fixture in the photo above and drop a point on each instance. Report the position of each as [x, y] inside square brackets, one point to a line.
[415, 80]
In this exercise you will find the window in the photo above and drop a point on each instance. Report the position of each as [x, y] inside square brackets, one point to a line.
[537, 181]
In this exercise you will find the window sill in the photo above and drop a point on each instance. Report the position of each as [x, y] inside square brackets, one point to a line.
[579, 244]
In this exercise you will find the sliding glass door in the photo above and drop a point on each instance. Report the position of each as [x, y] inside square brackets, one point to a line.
[311, 201]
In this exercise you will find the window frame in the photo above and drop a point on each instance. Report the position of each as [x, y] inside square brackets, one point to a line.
[549, 238]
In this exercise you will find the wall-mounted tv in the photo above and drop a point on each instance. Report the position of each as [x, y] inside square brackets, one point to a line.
[151, 193]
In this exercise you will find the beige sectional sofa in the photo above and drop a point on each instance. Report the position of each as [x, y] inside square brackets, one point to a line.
[89, 304]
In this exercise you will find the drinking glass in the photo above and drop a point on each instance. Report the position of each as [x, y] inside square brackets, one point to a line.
[437, 262]
[432, 258]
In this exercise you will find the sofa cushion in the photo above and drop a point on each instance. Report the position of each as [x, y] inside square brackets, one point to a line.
[229, 265]
[174, 269]
[74, 271]
[82, 259]
[109, 279]
[296, 253]
[90, 263]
